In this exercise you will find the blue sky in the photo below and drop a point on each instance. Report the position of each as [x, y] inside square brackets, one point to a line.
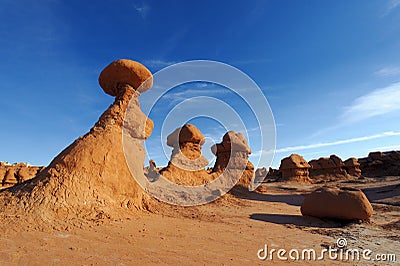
[329, 69]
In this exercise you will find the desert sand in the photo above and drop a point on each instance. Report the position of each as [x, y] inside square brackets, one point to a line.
[229, 231]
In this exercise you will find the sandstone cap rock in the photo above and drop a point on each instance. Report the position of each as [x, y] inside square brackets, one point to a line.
[294, 161]
[186, 133]
[124, 71]
[232, 141]
[237, 141]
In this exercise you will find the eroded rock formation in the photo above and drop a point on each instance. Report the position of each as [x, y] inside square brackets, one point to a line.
[271, 174]
[295, 169]
[328, 168]
[233, 158]
[261, 173]
[151, 172]
[12, 174]
[352, 167]
[337, 203]
[379, 164]
[90, 179]
[187, 164]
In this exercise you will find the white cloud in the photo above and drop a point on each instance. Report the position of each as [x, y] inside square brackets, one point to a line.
[392, 4]
[378, 102]
[201, 84]
[143, 10]
[188, 94]
[388, 71]
[338, 142]
[386, 148]
[158, 63]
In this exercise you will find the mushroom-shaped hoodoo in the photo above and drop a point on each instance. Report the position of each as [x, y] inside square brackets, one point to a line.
[124, 71]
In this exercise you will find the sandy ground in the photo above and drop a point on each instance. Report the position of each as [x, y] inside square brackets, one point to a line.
[227, 232]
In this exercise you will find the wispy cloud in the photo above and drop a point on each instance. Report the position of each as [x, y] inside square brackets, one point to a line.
[157, 63]
[390, 6]
[142, 9]
[333, 143]
[388, 71]
[378, 102]
[257, 130]
[188, 94]
[338, 142]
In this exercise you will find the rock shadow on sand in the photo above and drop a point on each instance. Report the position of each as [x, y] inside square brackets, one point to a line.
[291, 199]
[296, 220]
[384, 192]
[389, 194]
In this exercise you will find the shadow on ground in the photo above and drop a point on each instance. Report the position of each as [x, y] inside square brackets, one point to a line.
[291, 199]
[296, 220]
[384, 192]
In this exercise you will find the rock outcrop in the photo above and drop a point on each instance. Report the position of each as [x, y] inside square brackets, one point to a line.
[328, 168]
[187, 164]
[261, 173]
[270, 174]
[379, 164]
[352, 167]
[233, 158]
[10, 178]
[151, 172]
[12, 174]
[337, 203]
[90, 179]
[274, 174]
[295, 169]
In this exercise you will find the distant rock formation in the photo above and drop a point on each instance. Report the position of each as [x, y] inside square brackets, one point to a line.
[274, 174]
[337, 203]
[12, 174]
[90, 179]
[151, 171]
[187, 164]
[233, 158]
[261, 173]
[270, 174]
[352, 167]
[379, 164]
[328, 168]
[295, 169]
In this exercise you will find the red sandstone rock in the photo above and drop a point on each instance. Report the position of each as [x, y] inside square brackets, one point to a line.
[90, 179]
[379, 164]
[352, 167]
[233, 158]
[295, 169]
[187, 164]
[337, 203]
[125, 72]
[186, 133]
[328, 168]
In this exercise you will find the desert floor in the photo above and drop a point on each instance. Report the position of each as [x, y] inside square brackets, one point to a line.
[229, 231]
